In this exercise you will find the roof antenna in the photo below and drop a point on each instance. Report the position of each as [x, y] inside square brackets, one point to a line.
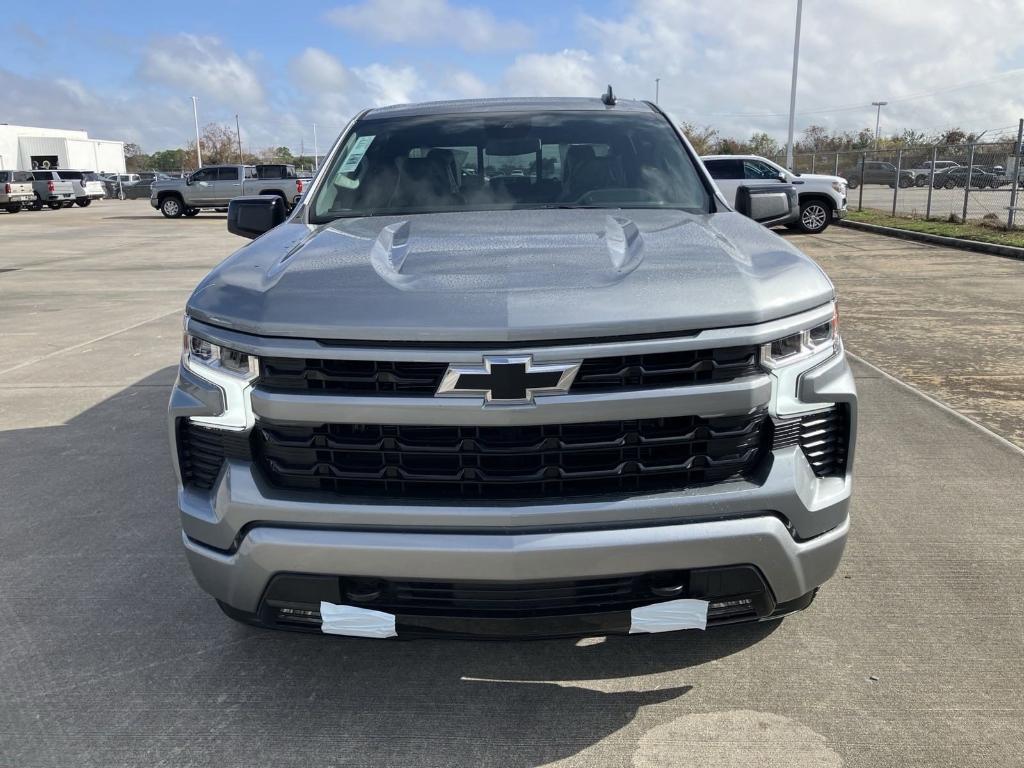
[608, 98]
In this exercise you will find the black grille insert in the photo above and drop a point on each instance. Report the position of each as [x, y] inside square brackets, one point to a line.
[518, 462]
[824, 438]
[599, 374]
[202, 450]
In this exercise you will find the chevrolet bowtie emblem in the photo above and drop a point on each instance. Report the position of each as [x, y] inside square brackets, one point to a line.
[508, 380]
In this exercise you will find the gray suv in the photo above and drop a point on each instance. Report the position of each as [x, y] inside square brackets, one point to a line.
[512, 367]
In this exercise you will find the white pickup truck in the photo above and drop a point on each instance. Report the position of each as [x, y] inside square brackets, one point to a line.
[15, 190]
[923, 173]
[215, 186]
[822, 198]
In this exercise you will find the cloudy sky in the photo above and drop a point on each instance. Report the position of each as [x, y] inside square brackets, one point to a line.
[126, 70]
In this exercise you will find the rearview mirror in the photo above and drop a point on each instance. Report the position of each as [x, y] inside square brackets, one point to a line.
[253, 216]
[768, 205]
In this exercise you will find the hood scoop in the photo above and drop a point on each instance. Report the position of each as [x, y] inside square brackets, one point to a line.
[513, 264]
[390, 251]
[625, 244]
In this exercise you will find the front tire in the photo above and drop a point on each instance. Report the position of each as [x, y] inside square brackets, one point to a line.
[853, 182]
[83, 202]
[814, 217]
[172, 207]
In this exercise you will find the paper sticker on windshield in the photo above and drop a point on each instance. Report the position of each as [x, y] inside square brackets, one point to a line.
[356, 154]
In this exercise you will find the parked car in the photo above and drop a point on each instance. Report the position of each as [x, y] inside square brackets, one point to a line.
[822, 198]
[276, 171]
[923, 172]
[877, 172]
[49, 189]
[88, 185]
[140, 190]
[587, 399]
[116, 185]
[957, 177]
[15, 190]
[214, 186]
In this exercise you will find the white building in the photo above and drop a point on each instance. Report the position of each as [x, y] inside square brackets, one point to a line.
[23, 148]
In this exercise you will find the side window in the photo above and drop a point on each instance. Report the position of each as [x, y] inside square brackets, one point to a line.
[250, 172]
[228, 174]
[724, 169]
[207, 174]
[755, 169]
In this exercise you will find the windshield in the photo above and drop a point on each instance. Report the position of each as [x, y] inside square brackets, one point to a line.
[503, 161]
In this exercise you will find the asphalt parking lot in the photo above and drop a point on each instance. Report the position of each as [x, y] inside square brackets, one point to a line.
[913, 655]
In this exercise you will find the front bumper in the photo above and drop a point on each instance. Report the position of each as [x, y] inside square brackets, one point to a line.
[840, 211]
[789, 524]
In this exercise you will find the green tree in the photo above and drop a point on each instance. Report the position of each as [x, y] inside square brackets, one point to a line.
[701, 137]
[764, 145]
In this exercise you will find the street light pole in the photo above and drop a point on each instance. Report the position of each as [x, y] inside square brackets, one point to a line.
[657, 88]
[316, 150]
[792, 88]
[878, 117]
[199, 152]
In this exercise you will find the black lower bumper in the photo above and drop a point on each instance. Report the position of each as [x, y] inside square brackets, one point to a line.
[736, 594]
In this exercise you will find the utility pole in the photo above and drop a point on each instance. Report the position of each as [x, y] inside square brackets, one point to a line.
[792, 88]
[878, 117]
[238, 133]
[316, 151]
[199, 151]
[657, 88]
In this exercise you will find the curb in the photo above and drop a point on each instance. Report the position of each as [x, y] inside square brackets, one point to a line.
[1007, 251]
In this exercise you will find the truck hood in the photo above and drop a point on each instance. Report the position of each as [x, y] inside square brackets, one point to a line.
[819, 177]
[496, 276]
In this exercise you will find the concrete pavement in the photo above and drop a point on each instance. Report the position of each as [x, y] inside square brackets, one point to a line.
[912, 656]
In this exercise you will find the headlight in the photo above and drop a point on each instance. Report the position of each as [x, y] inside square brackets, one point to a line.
[839, 187]
[802, 345]
[232, 371]
[204, 353]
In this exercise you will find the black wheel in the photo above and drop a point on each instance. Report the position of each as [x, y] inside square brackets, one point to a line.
[905, 182]
[13, 207]
[853, 182]
[190, 212]
[948, 184]
[921, 181]
[172, 207]
[55, 205]
[82, 202]
[37, 204]
[120, 195]
[814, 217]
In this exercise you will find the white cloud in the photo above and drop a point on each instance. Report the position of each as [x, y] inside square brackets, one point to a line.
[390, 85]
[203, 66]
[315, 70]
[728, 63]
[436, 22]
[566, 73]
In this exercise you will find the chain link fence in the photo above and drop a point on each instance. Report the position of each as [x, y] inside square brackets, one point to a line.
[980, 183]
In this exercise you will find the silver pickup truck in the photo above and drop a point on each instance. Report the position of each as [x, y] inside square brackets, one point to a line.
[216, 185]
[15, 190]
[513, 367]
[50, 189]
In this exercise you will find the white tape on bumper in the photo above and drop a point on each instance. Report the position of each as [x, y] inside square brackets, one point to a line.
[356, 622]
[669, 616]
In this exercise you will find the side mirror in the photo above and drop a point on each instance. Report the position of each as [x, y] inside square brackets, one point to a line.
[768, 205]
[253, 216]
[188, 180]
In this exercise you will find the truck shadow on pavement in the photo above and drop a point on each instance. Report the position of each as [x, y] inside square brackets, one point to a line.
[115, 656]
